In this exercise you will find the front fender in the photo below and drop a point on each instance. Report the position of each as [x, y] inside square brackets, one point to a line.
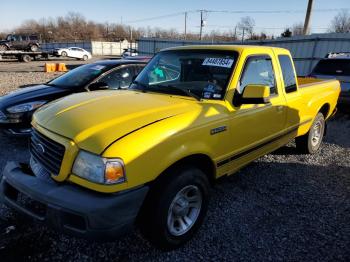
[151, 150]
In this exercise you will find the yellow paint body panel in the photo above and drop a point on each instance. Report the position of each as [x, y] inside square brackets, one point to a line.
[151, 131]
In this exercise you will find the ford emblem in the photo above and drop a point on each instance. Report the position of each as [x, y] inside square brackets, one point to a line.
[41, 148]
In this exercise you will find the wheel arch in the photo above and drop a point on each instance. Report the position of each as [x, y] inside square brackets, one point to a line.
[325, 109]
[201, 161]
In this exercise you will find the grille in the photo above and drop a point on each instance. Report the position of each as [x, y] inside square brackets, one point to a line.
[2, 116]
[46, 152]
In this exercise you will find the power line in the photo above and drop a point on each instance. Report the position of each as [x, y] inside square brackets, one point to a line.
[236, 12]
[257, 27]
[159, 17]
[274, 11]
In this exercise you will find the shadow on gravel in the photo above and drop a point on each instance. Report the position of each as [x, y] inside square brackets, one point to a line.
[267, 211]
[286, 150]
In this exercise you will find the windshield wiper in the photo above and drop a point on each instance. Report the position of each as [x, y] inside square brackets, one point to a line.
[143, 86]
[184, 91]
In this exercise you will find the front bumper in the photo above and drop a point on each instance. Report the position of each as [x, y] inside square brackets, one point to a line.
[69, 208]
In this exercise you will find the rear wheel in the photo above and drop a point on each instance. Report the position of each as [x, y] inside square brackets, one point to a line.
[312, 140]
[176, 207]
[3, 48]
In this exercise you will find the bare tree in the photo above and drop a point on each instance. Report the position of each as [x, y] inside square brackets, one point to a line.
[341, 22]
[246, 25]
[75, 27]
[297, 29]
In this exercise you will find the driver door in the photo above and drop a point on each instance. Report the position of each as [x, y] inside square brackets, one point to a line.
[254, 127]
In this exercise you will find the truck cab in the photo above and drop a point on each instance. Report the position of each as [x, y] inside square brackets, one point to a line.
[336, 66]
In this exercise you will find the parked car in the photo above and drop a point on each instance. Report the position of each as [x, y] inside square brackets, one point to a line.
[17, 108]
[73, 52]
[129, 52]
[20, 42]
[149, 154]
[336, 66]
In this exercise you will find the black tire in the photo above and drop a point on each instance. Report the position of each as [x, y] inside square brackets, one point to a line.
[312, 140]
[3, 48]
[26, 58]
[85, 57]
[160, 204]
[34, 48]
[64, 54]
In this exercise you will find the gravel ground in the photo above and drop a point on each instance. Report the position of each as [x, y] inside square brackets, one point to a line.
[282, 207]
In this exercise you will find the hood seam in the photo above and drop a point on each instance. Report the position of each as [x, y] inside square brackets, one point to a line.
[119, 138]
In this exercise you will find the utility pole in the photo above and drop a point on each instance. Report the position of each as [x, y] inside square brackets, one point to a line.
[130, 30]
[201, 26]
[243, 35]
[307, 17]
[185, 25]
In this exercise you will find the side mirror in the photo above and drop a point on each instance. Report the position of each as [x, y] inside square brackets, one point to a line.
[98, 86]
[252, 94]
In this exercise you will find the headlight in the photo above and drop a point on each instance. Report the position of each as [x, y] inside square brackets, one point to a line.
[98, 169]
[26, 107]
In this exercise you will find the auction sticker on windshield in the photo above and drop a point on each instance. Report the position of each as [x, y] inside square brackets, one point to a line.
[221, 62]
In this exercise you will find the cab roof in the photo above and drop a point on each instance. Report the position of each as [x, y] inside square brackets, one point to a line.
[238, 48]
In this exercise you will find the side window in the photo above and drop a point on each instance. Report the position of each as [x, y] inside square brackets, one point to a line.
[33, 38]
[258, 70]
[289, 79]
[119, 78]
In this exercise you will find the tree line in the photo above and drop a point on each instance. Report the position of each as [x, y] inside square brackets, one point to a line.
[75, 27]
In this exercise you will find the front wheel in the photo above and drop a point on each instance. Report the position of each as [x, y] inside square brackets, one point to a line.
[64, 54]
[85, 57]
[312, 140]
[176, 207]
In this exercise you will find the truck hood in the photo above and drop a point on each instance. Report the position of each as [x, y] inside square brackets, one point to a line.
[95, 120]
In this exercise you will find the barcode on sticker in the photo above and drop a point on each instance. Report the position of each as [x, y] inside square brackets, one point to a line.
[221, 62]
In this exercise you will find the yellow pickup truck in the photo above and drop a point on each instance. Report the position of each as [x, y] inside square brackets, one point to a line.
[104, 161]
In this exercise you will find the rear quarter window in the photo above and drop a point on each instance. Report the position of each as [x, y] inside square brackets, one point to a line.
[289, 78]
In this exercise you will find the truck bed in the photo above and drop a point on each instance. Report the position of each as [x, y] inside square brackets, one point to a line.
[308, 81]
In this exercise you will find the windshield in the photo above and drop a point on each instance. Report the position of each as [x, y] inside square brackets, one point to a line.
[197, 73]
[79, 76]
[335, 67]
